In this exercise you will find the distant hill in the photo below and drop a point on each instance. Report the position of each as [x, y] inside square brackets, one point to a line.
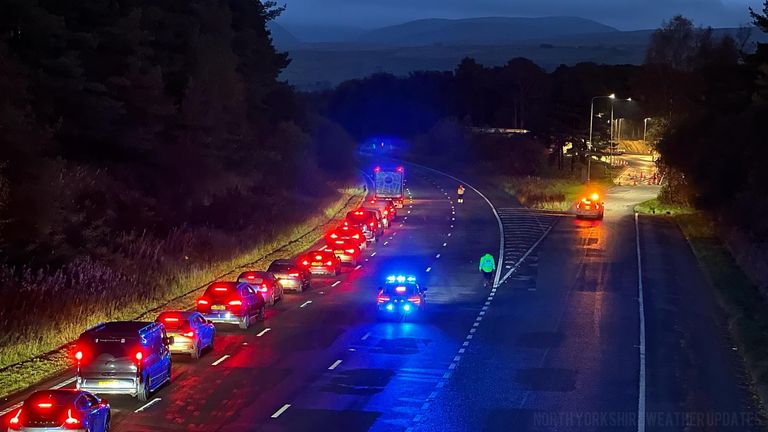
[480, 31]
[282, 38]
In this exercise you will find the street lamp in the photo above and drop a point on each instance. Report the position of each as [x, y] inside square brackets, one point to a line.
[645, 128]
[611, 96]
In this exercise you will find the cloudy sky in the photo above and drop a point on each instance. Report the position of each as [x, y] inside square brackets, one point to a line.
[623, 14]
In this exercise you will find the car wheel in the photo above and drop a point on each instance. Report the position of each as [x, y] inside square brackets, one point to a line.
[245, 322]
[144, 387]
[263, 313]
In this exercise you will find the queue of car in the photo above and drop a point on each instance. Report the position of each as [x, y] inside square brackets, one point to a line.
[135, 357]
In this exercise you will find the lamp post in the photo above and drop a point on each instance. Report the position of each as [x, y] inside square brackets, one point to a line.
[645, 129]
[612, 96]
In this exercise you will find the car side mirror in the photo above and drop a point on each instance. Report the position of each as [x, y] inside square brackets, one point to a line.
[168, 340]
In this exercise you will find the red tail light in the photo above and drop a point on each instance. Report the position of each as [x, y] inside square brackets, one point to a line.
[329, 263]
[235, 303]
[415, 299]
[370, 223]
[15, 422]
[202, 301]
[263, 288]
[293, 274]
[251, 277]
[350, 251]
[220, 289]
[189, 334]
[356, 236]
[171, 319]
[305, 262]
[72, 422]
[79, 355]
[44, 405]
[399, 169]
[333, 236]
[382, 299]
[138, 356]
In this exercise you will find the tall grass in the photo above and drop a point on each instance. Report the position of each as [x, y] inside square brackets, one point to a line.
[44, 311]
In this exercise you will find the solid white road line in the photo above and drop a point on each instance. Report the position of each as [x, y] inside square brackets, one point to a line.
[263, 332]
[335, 283]
[148, 404]
[373, 254]
[365, 336]
[429, 269]
[224, 357]
[306, 303]
[334, 365]
[64, 383]
[281, 410]
[324, 247]
[10, 408]
[641, 312]
[358, 267]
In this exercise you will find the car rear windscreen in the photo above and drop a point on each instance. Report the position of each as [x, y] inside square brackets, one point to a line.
[115, 346]
[280, 268]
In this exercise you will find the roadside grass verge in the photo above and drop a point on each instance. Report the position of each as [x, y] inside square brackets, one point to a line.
[37, 353]
[554, 190]
[654, 206]
[745, 306]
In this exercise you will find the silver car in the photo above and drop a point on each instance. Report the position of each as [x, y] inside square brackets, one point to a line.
[59, 410]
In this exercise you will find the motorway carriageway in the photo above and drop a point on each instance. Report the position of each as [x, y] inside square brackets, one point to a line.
[560, 334]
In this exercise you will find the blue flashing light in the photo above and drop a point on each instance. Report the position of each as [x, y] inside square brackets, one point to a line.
[407, 307]
[401, 279]
[390, 307]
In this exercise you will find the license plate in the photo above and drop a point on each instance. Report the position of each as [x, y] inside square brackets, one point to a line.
[218, 307]
[317, 264]
[107, 383]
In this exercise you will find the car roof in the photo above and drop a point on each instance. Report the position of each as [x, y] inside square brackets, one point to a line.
[127, 328]
[181, 313]
[61, 396]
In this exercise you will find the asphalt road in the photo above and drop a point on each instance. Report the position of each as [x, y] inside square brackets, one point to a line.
[554, 347]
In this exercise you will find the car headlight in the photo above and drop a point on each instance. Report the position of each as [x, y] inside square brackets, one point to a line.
[390, 307]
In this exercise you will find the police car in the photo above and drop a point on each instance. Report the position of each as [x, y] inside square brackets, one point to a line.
[401, 295]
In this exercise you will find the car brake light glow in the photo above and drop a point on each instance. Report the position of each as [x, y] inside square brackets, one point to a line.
[414, 299]
[71, 422]
[370, 223]
[189, 334]
[305, 262]
[293, 274]
[333, 236]
[235, 303]
[14, 421]
[350, 251]
[251, 277]
[382, 298]
[329, 263]
[44, 405]
[139, 355]
[263, 288]
[400, 289]
[220, 289]
[318, 257]
[595, 196]
[202, 301]
[358, 212]
[171, 319]
[399, 169]
[79, 355]
[356, 236]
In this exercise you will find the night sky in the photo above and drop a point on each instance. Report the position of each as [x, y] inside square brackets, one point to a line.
[623, 14]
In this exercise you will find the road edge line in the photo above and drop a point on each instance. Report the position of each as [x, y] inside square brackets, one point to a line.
[493, 208]
[641, 309]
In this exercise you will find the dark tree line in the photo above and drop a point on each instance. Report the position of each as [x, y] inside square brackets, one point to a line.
[144, 116]
[715, 99]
